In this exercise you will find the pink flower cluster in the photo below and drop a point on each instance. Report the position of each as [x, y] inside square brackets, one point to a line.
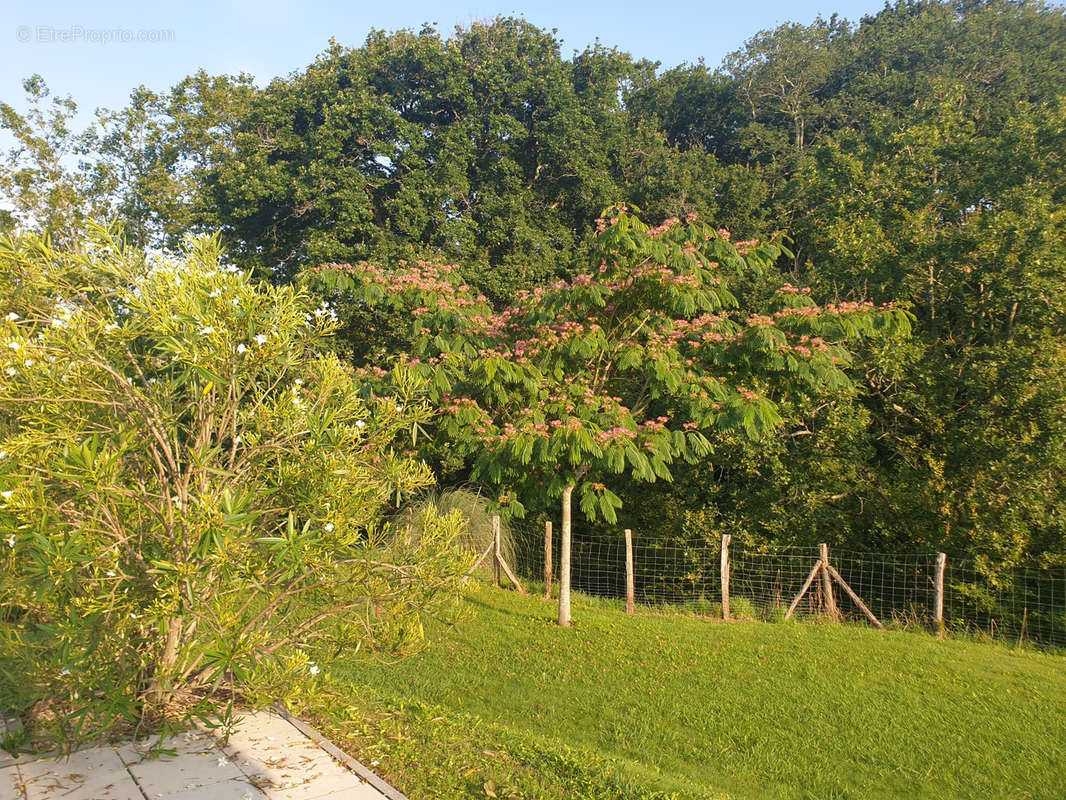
[615, 434]
[802, 311]
[848, 308]
[451, 405]
[666, 225]
[372, 371]
[760, 320]
[654, 425]
[807, 346]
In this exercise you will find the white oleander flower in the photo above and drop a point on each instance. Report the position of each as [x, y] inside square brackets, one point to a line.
[260, 338]
[329, 527]
[242, 348]
[207, 330]
[6, 494]
[12, 317]
[359, 423]
[313, 669]
[10, 372]
[13, 345]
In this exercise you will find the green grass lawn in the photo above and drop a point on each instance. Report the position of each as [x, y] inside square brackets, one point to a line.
[506, 704]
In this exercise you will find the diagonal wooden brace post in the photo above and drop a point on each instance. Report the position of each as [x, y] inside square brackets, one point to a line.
[806, 585]
[854, 597]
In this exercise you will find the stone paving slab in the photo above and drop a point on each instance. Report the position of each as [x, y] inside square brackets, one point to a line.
[9, 780]
[266, 758]
[96, 773]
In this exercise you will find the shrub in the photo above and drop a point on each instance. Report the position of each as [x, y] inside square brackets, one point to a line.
[474, 508]
[192, 491]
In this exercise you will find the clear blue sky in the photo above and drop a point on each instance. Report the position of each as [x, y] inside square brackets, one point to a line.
[275, 37]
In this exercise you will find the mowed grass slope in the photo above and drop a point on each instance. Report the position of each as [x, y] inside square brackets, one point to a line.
[506, 704]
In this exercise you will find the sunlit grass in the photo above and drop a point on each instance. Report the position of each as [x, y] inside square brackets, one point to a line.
[508, 704]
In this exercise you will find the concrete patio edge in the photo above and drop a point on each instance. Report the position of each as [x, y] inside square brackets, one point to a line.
[262, 759]
[364, 772]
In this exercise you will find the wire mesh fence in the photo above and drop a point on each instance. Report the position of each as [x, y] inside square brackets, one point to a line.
[1017, 605]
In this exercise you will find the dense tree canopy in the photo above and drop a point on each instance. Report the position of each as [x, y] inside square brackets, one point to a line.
[914, 157]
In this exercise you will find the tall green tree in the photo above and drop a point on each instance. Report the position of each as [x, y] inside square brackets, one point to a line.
[965, 224]
[656, 344]
[152, 158]
[915, 156]
[40, 178]
[142, 168]
[487, 148]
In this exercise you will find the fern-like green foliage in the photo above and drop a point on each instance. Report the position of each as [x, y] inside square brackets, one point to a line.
[656, 346]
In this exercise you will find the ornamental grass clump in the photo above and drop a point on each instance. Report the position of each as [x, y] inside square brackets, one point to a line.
[192, 492]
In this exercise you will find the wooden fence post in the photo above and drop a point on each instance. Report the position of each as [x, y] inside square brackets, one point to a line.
[496, 549]
[827, 583]
[548, 560]
[631, 601]
[938, 604]
[726, 539]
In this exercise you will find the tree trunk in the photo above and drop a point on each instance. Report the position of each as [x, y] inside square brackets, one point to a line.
[564, 561]
[158, 692]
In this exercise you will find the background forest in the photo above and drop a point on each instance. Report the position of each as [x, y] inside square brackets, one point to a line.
[914, 158]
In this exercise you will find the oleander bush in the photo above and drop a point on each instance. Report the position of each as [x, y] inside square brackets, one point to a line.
[193, 492]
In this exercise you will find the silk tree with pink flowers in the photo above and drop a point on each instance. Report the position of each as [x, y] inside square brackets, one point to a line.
[634, 364]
